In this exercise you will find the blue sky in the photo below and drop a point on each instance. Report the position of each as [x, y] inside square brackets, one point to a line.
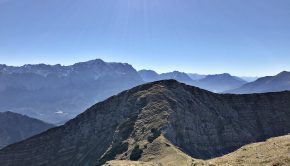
[241, 37]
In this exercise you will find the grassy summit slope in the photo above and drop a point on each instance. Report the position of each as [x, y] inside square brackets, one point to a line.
[272, 152]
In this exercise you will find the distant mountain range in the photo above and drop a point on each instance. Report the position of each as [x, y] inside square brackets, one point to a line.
[162, 122]
[150, 76]
[280, 82]
[220, 82]
[224, 83]
[15, 127]
[195, 76]
[248, 79]
[214, 83]
[56, 93]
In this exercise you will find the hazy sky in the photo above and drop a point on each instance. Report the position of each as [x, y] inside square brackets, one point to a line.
[242, 37]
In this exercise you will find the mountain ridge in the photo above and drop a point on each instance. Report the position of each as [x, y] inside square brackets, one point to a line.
[200, 123]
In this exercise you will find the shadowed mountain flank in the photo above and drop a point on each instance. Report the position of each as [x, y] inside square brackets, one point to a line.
[16, 127]
[131, 125]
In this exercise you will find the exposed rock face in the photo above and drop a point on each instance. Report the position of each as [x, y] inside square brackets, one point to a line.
[58, 93]
[200, 123]
[279, 82]
[15, 127]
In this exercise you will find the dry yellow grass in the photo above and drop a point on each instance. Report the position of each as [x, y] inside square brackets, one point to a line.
[129, 163]
[161, 151]
[273, 152]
